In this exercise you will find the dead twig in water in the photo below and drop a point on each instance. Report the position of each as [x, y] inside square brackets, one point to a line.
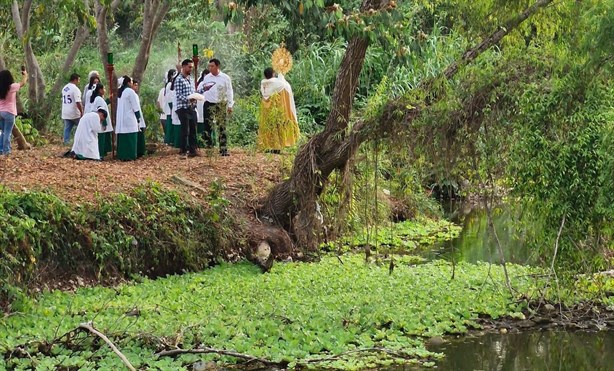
[90, 328]
[223, 352]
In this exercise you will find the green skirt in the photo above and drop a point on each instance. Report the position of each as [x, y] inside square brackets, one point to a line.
[127, 146]
[105, 143]
[140, 144]
[109, 142]
[177, 136]
[168, 130]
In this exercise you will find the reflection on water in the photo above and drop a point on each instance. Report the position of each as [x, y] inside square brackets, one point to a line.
[547, 350]
[476, 242]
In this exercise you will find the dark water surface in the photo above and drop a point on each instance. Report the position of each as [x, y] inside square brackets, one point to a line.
[544, 350]
[536, 350]
[476, 243]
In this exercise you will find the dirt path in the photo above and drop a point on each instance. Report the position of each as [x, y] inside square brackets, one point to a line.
[245, 176]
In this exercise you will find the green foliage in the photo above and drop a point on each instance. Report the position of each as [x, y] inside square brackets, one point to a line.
[400, 237]
[560, 163]
[29, 131]
[242, 126]
[152, 231]
[296, 313]
[154, 132]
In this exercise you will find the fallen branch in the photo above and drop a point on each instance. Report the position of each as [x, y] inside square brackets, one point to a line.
[183, 181]
[223, 352]
[390, 352]
[88, 327]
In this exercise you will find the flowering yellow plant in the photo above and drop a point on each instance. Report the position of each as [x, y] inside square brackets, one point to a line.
[208, 53]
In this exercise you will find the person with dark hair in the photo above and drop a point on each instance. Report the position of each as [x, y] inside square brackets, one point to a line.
[277, 122]
[72, 109]
[93, 75]
[87, 92]
[85, 146]
[175, 123]
[219, 100]
[129, 121]
[140, 144]
[105, 137]
[186, 111]
[168, 106]
[8, 107]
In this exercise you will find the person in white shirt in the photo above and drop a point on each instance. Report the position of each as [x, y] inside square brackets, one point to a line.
[219, 100]
[89, 86]
[129, 121]
[105, 137]
[140, 146]
[167, 106]
[87, 92]
[72, 109]
[86, 136]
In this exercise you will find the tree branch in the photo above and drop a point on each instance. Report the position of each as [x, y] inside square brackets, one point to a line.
[207, 350]
[83, 33]
[332, 148]
[88, 327]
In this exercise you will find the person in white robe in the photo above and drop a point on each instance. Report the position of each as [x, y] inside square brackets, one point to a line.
[168, 102]
[105, 137]
[128, 121]
[85, 146]
[94, 79]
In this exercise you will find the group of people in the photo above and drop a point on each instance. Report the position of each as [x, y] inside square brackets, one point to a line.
[187, 110]
[94, 138]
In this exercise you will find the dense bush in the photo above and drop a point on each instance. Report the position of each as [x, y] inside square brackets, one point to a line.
[152, 231]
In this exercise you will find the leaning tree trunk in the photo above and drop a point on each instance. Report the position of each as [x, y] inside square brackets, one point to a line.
[21, 20]
[40, 102]
[153, 14]
[102, 12]
[292, 204]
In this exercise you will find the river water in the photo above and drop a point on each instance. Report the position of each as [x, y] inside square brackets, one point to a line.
[476, 243]
[537, 350]
[544, 350]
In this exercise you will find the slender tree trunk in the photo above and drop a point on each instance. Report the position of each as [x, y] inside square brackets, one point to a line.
[21, 20]
[292, 204]
[154, 13]
[40, 102]
[102, 13]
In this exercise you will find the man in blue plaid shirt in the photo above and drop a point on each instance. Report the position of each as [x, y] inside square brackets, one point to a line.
[185, 110]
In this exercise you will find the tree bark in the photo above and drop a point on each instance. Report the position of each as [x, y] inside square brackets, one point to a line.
[154, 13]
[102, 12]
[22, 143]
[21, 20]
[292, 204]
[39, 105]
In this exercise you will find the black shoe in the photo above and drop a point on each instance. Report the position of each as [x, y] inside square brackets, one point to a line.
[224, 153]
[193, 154]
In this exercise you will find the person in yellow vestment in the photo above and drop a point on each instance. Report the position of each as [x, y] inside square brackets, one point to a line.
[277, 123]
